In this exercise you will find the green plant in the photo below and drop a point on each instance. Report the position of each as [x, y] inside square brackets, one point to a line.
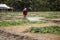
[8, 23]
[50, 29]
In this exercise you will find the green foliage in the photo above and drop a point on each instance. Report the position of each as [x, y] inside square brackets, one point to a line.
[33, 5]
[9, 23]
[48, 29]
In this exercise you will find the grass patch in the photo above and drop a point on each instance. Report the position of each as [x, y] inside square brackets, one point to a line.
[50, 29]
[9, 23]
[11, 14]
[53, 16]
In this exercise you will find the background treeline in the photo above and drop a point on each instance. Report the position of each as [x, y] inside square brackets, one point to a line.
[33, 5]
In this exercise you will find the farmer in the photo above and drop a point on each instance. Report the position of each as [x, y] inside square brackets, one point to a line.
[25, 12]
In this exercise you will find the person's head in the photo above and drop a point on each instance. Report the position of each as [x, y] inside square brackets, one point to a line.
[25, 8]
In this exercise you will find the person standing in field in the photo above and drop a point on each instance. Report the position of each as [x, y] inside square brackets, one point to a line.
[24, 13]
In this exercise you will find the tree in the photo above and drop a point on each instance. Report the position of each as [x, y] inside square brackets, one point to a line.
[34, 5]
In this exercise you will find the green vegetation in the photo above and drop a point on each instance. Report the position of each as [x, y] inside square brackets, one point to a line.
[49, 29]
[10, 23]
[33, 5]
[10, 13]
[17, 15]
[8, 18]
[44, 14]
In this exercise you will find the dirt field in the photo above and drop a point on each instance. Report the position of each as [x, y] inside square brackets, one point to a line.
[20, 32]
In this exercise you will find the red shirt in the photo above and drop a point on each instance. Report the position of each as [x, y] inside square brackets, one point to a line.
[24, 12]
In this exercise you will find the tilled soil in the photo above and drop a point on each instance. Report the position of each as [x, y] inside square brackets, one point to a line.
[27, 36]
[9, 36]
